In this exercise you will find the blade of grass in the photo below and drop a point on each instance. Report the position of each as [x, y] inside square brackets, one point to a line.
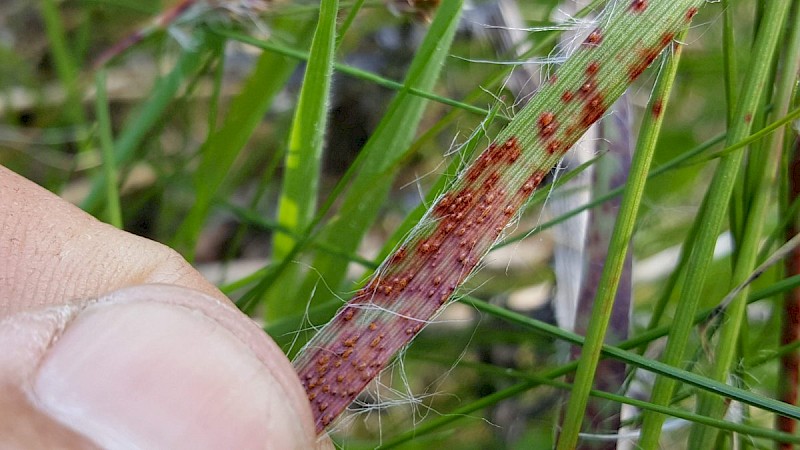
[618, 251]
[107, 149]
[351, 17]
[65, 64]
[747, 430]
[729, 58]
[756, 212]
[298, 198]
[356, 72]
[602, 416]
[718, 195]
[537, 326]
[789, 196]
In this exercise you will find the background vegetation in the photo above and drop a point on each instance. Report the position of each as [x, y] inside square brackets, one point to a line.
[195, 137]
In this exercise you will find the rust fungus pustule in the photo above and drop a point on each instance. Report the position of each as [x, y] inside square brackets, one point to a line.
[548, 125]
[647, 56]
[658, 108]
[553, 146]
[638, 6]
[593, 110]
[593, 68]
[398, 256]
[532, 182]
[545, 119]
[690, 13]
[594, 38]
[506, 153]
[586, 89]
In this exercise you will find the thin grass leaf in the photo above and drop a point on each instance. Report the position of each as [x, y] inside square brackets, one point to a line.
[298, 199]
[602, 416]
[614, 352]
[107, 149]
[351, 17]
[615, 261]
[355, 72]
[65, 63]
[747, 430]
[718, 196]
[756, 212]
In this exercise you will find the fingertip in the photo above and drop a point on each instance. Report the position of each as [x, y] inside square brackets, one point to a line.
[166, 367]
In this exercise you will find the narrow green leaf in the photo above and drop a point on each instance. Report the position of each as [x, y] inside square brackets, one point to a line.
[355, 72]
[718, 198]
[619, 352]
[618, 252]
[747, 255]
[107, 149]
[298, 199]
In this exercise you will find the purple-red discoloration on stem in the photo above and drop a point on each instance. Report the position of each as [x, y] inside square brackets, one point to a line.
[414, 282]
[790, 325]
[468, 221]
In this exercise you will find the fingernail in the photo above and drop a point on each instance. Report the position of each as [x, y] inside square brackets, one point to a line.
[154, 375]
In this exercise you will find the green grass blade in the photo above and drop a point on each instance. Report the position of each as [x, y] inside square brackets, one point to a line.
[65, 64]
[614, 352]
[107, 149]
[348, 21]
[298, 199]
[747, 256]
[618, 252]
[747, 430]
[718, 195]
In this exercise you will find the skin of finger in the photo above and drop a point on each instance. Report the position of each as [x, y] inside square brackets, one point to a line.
[31, 334]
[53, 251]
[24, 338]
[23, 426]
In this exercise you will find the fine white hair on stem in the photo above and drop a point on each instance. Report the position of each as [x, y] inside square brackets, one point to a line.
[531, 61]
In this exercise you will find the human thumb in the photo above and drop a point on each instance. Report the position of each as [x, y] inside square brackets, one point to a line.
[150, 366]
